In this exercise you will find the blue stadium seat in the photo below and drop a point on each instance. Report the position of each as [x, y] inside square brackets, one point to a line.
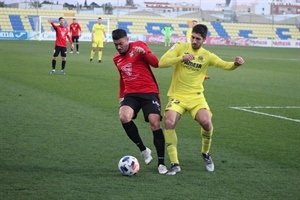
[124, 25]
[16, 22]
[154, 28]
[220, 29]
[183, 26]
[33, 20]
[245, 34]
[281, 35]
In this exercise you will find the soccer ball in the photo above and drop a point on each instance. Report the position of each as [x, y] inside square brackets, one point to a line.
[129, 165]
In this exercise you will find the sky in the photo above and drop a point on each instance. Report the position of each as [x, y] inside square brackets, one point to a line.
[195, 2]
[122, 2]
[205, 4]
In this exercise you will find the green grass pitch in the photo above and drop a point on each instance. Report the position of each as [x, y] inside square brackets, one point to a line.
[60, 136]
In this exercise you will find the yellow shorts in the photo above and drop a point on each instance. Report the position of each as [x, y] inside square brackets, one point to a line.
[97, 43]
[189, 103]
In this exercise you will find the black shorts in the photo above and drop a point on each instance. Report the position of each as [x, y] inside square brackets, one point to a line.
[61, 50]
[75, 39]
[149, 103]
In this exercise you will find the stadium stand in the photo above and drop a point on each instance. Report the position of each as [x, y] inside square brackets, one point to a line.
[220, 29]
[13, 19]
[16, 22]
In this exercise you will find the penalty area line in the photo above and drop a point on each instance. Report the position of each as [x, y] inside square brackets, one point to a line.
[246, 109]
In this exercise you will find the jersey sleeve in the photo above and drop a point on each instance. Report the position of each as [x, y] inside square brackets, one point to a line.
[121, 82]
[219, 63]
[69, 37]
[121, 87]
[171, 57]
[54, 26]
[149, 56]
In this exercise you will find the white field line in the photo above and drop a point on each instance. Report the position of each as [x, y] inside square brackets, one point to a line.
[264, 58]
[247, 109]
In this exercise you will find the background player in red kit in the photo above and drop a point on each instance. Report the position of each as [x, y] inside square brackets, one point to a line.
[75, 31]
[62, 34]
[139, 90]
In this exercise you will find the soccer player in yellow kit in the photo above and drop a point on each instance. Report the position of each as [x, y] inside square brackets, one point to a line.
[189, 31]
[188, 39]
[191, 61]
[97, 39]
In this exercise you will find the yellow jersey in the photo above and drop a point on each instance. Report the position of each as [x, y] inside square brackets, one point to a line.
[188, 76]
[189, 34]
[98, 30]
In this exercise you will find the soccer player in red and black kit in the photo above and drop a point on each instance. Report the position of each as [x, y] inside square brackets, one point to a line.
[75, 31]
[62, 34]
[139, 90]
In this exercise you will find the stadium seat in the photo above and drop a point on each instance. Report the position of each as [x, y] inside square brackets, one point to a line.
[33, 20]
[16, 23]
[124, 25]
[281, 35]
[14, 19]
[220, 29]
[245, 34]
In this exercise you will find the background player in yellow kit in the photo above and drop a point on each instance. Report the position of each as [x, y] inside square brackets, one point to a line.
[97, 39]
[189, 31]
[191, 61]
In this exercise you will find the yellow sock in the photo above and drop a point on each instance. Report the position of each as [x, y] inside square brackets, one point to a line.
[92, 54]
[206, 140]
[171, 142]
[100, 55]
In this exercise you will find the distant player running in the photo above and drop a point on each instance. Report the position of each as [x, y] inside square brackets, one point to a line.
[62, 34]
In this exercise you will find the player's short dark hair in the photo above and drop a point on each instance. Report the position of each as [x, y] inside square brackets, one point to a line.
[99, 18]
[118, 34]
[60, 18]
[194, 20]
[200, 29]
[74, 18]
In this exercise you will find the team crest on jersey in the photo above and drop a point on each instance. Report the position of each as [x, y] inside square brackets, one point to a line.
[127, 69]
[63, 32]
[131, 54]
[200, 58]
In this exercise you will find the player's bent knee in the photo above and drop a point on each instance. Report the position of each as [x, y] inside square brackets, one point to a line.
[206, 125]
[125, 118]
[155, 125]
[169, 124]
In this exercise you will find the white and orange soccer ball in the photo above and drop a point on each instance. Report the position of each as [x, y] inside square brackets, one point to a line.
[129, 165]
